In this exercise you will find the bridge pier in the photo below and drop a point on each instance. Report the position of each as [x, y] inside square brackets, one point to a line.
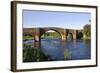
[37, 42]
[37, 39]
[63, 38]
[74, 34]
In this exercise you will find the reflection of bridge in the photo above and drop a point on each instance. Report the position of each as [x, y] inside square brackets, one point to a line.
[38, 32]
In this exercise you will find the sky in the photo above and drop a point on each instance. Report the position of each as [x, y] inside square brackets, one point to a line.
[69, 20]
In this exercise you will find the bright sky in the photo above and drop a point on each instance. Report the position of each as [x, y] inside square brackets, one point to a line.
[71, 20]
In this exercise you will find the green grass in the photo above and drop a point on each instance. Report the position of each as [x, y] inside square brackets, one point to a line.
[67, 54]
[52, 35]
[27, 38]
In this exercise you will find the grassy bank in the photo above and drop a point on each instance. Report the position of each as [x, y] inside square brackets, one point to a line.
[33, 54]
[27, 38]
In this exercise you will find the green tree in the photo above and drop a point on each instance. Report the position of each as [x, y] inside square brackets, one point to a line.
[87, 31]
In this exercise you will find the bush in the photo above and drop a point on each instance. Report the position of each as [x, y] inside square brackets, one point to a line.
[31, 54]
[87, 31]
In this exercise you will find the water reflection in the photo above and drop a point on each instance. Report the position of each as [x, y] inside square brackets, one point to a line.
[79, 49]
[74, 43]
[56, 49]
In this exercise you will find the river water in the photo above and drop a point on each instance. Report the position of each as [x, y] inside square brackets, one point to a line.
[57, 50]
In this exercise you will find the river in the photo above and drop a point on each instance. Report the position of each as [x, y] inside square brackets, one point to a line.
[57, 50]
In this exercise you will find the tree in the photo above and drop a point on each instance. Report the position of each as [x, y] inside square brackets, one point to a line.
[87, 31]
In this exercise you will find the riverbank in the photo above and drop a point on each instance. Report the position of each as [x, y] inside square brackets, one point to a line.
[31, 54]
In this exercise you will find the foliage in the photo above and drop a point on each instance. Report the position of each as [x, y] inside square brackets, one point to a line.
[87, 30]
[51, 35]
[27, 38]
[69, 36]
[67, 54]
[31, 54]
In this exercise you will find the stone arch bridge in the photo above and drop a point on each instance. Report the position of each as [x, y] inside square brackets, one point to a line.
[38, 32]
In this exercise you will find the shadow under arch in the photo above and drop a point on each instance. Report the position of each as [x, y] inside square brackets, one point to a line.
[80, 35]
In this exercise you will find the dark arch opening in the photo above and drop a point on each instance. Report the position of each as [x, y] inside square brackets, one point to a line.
[79, 35]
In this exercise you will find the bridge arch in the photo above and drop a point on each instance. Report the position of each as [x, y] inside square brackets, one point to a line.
[51, 31]
[59, 31]
[73, 33]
